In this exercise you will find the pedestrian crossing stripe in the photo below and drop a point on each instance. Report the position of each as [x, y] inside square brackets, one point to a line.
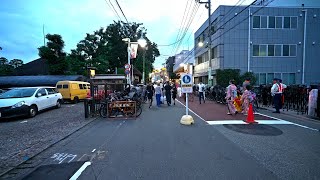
[268, 122]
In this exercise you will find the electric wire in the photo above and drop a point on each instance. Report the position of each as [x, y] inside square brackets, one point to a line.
[122, 11]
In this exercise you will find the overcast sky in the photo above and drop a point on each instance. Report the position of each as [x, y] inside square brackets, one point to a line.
[21, 21]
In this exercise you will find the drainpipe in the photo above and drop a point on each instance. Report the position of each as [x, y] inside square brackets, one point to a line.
[304, 45]
[249, 37]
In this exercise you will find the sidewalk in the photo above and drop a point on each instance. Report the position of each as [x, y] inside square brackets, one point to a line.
[213, 111]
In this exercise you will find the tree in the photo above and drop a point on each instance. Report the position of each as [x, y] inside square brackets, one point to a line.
[16, 63]
[5, 68]
[225, 75]
[105, 50]
[249, 75]
[54, 54]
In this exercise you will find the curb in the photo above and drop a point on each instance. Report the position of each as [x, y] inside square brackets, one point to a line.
[46, 148]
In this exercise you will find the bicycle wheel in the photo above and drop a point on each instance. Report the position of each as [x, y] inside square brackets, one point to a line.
[138, 111]
[103, 111]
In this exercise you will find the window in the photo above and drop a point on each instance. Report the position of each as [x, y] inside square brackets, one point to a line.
[65, 86]
[214, 26]
[292, 78]
[294, 22]
[272, 22]
[277, 49]
[199, 59]
[255, 50]
[42, 92]
[262, 78]
[81, 86]
[285, 50]
[286, 22]
[270, 50]
[270, 77]
[85, 86]
[293, 50]
[256, 21]
[277, 75]
[50, 91]
[264, 21]
[59, 86]
[263, 50]
[279, 22]
[214, 52]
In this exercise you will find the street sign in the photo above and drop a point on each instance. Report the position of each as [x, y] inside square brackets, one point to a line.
[186, 83]
[127, 71]
[127, 66]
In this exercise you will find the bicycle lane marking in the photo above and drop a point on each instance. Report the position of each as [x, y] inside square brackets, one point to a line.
[193, 112]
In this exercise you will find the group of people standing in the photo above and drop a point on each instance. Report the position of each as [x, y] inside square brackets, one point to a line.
[167, 91]
[248, 96]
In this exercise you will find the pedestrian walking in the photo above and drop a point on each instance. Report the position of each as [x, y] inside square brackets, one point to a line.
[282, 87]
[276, 92]
[158, 93]
[150, 92]
[168, 89]
[231, 95]
[246, 99]
[174, 94]
[201, 91]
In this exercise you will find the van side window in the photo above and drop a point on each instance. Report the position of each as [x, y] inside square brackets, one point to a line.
[50, 91]
[65, 86]
[81, 86]
[84, 86]
[59, 86]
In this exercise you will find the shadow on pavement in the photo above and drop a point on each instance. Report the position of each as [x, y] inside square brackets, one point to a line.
[254, 129]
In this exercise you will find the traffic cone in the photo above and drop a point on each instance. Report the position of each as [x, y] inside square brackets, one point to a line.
[250, 117]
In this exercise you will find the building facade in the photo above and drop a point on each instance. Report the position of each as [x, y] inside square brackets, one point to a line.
[272, 42]
[184, 62]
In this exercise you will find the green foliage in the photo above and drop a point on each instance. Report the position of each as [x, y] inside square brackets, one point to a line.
[250, 75]
[54, 54]
[16, 63]
[105, 50]
[225, 75]
[5, 68]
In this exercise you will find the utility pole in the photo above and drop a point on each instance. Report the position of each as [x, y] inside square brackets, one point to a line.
[208, 6]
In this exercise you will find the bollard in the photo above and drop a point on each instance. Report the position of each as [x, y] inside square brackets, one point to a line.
[86, 108]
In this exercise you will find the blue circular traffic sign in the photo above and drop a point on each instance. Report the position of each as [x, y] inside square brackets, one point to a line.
[127, 71]
[186, 79]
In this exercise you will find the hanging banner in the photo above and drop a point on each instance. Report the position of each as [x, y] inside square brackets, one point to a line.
[133, 51]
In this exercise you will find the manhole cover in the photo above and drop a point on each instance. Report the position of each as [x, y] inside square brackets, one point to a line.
[254, 129]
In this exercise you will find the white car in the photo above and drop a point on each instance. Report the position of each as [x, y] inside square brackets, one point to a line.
[28, 101]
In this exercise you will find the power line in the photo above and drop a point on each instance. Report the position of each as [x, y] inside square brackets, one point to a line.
[184, 19]
[243, 19]
[122, 11]
[195, 10]
[113, 9]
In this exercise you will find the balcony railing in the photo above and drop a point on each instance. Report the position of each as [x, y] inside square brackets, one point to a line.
[201, 68]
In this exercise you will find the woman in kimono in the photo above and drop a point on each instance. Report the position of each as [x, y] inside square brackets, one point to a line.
[231, 95]
[246, 98]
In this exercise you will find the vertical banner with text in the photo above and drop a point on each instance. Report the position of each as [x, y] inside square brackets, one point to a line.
[134, 49]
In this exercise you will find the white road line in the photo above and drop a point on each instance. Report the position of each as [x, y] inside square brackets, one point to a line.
[93, 150]
[270, 122]
[78, 173]
[193, 112]
[299, 125]
[23, 121]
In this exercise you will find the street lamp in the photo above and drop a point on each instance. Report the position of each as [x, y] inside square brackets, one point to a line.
[200, 44]
[128, 40]
[142, 42]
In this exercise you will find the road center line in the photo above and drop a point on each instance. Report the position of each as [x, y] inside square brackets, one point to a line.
[78, 173]
[93, 150]
[193, 112]
[299, 125]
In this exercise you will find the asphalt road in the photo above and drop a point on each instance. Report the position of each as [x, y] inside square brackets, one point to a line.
[157, 146]
[21, 139]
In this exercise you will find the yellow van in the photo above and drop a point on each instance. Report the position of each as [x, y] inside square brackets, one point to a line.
[73, 90]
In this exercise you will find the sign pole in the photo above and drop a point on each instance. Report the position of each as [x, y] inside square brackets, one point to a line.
[187, 104]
